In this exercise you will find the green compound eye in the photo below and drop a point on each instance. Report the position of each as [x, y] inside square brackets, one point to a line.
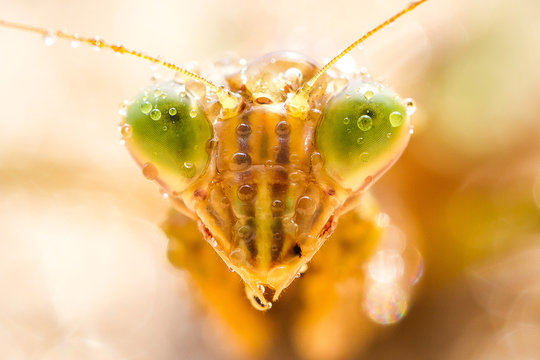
[166, 131]
[364, 130]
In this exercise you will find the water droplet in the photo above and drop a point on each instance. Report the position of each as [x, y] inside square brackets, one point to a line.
[126, 130]
[145, 107]
[364, 157]
[410, 105]
[157, 92]
[155, 114]
[389, 135]
[164, 128]
[122, 110]
[277, 206]
[189, 169]
[75, 43]
[193, 113]
[296, 177]
[212, 241]
[243, 129]
[150, 171]
[360, 140]
[305, 206]
[172, 111]
[240, 161]
[49, 39]
[283, 128]
[369, 94]
[237, 257]
[396, 118]
[316, 160]
[98, 43]
[364, 122]
[246, 192]
[245, 231]
[346, 121]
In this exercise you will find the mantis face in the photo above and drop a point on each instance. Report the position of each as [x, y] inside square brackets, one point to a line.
[267, 186]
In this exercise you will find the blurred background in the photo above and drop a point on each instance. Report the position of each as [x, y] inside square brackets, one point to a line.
[83, 267]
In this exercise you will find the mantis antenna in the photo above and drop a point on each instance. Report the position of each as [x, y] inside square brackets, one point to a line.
[228, 100]
[298, 104]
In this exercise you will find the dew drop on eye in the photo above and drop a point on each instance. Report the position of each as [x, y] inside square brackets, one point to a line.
[155, 114]
[364, 122]
[396, 118]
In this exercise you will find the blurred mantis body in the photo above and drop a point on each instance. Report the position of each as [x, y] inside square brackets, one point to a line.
[266, 163]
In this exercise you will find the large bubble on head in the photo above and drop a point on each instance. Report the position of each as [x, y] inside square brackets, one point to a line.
[363, 131]
[270, 78]
[167, 132]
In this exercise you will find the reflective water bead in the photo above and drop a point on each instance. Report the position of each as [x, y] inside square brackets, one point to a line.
[243, 129]
[396, 118]
[157, 92]
[49, 39]
[237, 257]
[369, 94]
[240, 161]
[364, 157]
[305, 205]
[75, 43]
[145, 107]
[155, 114]
[244, 231]
[172, 111]
[149, 171]
[193, 113]
[212, 241]
[189, 169]
[277, 205]
[410, 105]
[196, 88]
[346, 121]
[98, 43]
[360, 140]
[283, 128]
[126, 130]
[246, 192]
[364, 122]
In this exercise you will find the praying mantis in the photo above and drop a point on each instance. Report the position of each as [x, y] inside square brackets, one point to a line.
[264, 161]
